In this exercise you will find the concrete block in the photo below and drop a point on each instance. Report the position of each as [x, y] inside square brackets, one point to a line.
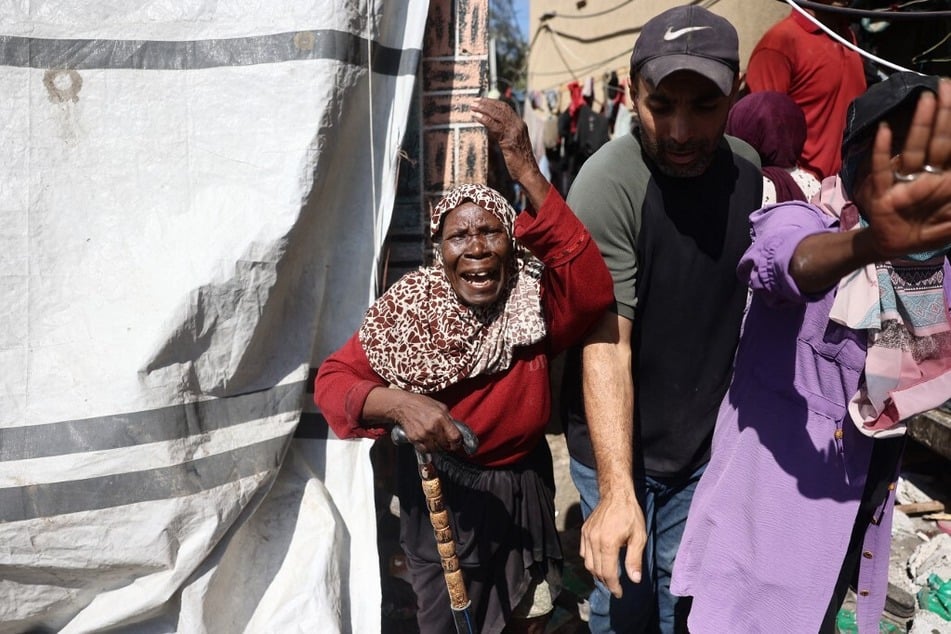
[442, 110]
[473, 159]
[439, 156]
[933, 430]
[473, 24]
[446, 75]
[439, 39]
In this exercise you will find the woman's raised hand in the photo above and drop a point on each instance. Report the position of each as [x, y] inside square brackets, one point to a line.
[505, 127]
[907, 199]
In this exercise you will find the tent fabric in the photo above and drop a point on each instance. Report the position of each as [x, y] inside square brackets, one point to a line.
[193, 201]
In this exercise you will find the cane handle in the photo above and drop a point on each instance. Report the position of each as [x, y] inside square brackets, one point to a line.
[470, 442]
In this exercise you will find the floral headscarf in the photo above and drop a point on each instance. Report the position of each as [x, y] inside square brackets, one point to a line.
[421, 338]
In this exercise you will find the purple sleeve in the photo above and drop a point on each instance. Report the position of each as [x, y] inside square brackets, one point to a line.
[777, 231]
[947, 281]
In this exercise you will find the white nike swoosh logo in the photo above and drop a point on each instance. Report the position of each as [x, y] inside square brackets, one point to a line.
[673, 35]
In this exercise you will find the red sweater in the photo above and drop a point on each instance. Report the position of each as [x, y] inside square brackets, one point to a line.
[509, 410]
[797, 58]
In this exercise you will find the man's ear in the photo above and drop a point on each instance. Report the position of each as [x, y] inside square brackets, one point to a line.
[632, 87]
[735, 93]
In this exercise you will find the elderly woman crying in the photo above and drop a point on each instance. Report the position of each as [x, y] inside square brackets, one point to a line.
[469, 339]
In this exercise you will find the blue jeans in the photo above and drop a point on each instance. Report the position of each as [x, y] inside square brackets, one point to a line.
[647, 606]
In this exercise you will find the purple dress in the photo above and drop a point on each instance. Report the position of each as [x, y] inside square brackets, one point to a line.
[772, 517]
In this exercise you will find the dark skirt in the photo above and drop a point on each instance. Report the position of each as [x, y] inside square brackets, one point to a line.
[503, 521]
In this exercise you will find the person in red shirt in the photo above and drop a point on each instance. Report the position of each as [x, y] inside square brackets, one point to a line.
[469, 339]
[820, 74]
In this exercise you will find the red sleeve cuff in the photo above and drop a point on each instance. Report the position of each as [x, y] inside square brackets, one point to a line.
[554, 231]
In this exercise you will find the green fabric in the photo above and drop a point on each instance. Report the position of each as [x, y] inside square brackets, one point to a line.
[845, 623]
[936, 597]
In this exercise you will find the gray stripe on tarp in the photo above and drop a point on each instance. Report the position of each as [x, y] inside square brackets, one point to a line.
[92, 494]
[139, 428]
[325, 44]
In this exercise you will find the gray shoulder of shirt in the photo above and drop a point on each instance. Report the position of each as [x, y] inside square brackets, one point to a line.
[615, 170]
[743, 149]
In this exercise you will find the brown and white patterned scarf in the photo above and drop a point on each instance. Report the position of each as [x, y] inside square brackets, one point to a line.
[421, 338]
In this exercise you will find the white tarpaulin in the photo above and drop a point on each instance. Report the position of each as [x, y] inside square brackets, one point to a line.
[193, 196]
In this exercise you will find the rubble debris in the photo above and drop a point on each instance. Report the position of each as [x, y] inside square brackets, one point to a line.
[933, 557]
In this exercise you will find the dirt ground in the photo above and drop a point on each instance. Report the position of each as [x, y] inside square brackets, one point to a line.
[571, 613]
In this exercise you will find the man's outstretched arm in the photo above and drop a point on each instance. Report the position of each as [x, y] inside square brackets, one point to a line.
[617, 521]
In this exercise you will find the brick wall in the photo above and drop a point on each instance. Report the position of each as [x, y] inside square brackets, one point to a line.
[455, 69]
[443, 146]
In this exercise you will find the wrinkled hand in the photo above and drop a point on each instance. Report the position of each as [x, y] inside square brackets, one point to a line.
[506, 128]
[911, 216]
[426, 422]
[614, 524]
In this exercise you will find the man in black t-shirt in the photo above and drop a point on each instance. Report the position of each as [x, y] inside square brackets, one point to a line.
[669, 207]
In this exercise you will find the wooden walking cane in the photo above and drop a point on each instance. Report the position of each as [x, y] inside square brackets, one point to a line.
[439, 517]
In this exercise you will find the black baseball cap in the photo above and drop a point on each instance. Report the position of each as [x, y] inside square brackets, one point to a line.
[688, 38]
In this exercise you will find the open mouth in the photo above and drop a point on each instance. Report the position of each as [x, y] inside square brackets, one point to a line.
[682, 158]
[480, 279]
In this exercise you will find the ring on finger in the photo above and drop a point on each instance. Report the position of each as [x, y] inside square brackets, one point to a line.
[904, 178]
[931, 169]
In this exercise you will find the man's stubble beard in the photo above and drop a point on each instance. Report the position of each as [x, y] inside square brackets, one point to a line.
[653, 149]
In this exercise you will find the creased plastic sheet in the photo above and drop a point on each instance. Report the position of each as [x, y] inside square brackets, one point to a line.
[193, 197]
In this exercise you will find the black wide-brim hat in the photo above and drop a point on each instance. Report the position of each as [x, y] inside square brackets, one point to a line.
[868, 109]
[879, 101]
